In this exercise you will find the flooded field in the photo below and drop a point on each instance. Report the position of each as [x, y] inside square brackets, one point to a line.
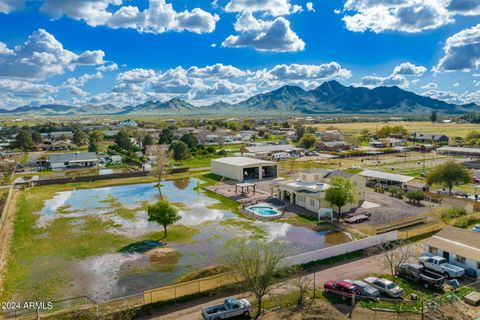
[98, 242]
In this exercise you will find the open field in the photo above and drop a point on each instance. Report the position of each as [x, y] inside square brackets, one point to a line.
[94, 238]
[451, 129]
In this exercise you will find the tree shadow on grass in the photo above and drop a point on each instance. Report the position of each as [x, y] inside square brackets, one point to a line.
[141, 246]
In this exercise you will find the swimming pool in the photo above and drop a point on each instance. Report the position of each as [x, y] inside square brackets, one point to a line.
[264, 210]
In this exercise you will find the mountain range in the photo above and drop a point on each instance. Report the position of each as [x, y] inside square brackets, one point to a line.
[330, 97]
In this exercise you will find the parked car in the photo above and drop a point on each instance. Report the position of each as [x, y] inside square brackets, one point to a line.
[420, 274]
[340, 288]
[385, 286]
[230, 308]
[441, 265]
[365, 290]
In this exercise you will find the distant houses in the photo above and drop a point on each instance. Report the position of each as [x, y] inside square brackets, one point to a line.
[428, 138]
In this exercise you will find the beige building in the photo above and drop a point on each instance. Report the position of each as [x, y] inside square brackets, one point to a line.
[243, 168]
[308, 191]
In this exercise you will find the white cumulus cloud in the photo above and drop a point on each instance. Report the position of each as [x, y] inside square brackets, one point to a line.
[41, 56]
[462, 51]
[273, 7]
[409, 69]
[404, 15]
[264, 35]
[158, 17]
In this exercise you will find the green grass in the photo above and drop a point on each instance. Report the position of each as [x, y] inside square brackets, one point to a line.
[304, 221]
[41, 259]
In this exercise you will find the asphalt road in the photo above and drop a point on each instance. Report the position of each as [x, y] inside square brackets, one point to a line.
[357, 269]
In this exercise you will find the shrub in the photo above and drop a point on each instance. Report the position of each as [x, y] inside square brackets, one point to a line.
[452, 213]
[222, 152]
[461, 222]
[415, 196]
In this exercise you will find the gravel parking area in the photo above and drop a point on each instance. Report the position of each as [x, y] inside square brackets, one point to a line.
[392, 209]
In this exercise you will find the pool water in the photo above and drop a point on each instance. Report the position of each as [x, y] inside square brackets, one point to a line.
[264, 210]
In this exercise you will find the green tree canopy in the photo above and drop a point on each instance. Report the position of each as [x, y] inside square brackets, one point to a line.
[163, 213]
[180, 151]
[340, 192]
[308, 140]
[147, 140]
[166, 136]
[387, 131]
[122, 139]
[24, 140]
[79, 137]
[36, 137]
[449, 174]
[473, 138]
[97, 135]
[434, 116]
[189, 140]
[93, 145]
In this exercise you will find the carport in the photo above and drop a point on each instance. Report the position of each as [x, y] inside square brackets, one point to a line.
[385, 179]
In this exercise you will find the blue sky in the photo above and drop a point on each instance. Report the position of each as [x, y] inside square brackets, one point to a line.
[125, 52]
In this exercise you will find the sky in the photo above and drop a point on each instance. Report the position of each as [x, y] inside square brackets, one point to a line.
[126, 52]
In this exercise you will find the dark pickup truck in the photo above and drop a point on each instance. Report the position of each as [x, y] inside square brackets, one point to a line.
[420, 274]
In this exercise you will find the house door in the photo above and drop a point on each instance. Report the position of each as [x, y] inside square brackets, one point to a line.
[446, 255]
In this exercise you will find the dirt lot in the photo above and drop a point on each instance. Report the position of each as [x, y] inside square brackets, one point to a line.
[323, 310]
[392, 209]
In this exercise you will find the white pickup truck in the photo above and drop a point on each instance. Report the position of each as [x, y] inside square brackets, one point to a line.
[441, 265]
[230, 308]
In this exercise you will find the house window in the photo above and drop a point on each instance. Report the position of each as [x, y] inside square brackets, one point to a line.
[460, 259]
[316, 177]
[304, 177]
[312, 202]
[433, 251]
[478, 264]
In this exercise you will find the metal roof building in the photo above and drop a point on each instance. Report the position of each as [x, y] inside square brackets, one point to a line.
[69, 160]
[385, 177]
[243, 168]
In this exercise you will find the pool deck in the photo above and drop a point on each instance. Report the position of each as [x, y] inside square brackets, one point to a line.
[263, 191]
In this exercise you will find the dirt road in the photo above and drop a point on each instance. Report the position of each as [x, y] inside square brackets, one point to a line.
[353, 270]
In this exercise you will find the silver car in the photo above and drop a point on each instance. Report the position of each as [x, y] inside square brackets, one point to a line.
[385, 286]
[366, 291]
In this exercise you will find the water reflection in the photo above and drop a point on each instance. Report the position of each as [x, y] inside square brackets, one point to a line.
[115, 274]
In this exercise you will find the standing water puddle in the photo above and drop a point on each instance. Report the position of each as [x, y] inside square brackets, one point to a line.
[146, 263]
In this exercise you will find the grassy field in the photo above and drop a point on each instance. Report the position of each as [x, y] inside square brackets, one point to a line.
[451, 129]
[52, 250]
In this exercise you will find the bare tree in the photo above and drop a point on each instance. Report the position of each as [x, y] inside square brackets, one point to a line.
[255, 265]
[163, 157]
[394, 254]
[221, 139]
[302, 284]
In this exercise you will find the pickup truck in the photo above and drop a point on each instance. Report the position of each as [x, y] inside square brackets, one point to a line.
[441, 265]
[420, 274]
[385, 286]
[230, 308]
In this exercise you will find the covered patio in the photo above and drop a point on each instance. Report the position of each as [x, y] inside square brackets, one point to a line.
[247, 186]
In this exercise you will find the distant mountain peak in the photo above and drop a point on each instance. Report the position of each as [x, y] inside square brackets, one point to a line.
[331, 97]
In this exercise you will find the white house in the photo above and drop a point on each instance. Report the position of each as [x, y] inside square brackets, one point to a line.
[243, 168]
[72, 160]
[460, 247]
[308, 191]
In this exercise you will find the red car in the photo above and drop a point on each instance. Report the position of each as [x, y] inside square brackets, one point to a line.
[341, 288]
